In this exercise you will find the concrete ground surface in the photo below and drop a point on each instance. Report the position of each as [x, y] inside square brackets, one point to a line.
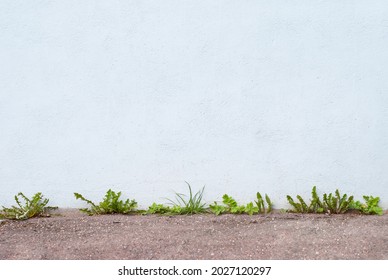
[72, 235]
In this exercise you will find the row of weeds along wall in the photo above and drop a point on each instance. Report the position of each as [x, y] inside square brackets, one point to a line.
[240, 96]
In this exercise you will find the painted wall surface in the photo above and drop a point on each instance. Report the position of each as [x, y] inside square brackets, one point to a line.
[240, 96]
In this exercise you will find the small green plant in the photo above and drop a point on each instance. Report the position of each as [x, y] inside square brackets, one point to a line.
[191, 205]
[250, 209]
[301, 206]
[230, 205]
[164, 209]
[331, 203]
[217, 209]
[316, 206]
[158, 209]
[111, 204]
[370, 207]
[34, 207]
[261, 205]
[335, 204]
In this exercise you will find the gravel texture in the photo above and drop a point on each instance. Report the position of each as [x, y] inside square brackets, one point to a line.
[72, 235]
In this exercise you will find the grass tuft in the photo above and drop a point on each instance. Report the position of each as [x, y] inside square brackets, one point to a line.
[188, 204]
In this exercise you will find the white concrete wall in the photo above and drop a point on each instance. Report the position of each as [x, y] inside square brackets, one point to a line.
[238, 95]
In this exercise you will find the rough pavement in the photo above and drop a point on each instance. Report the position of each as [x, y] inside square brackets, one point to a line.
[72, 235]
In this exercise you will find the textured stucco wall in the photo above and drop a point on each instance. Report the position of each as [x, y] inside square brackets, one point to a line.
[240, 96]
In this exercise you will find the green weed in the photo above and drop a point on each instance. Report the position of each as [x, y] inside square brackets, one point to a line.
[158, 209]
[250, 209]
[261, 205]
[230, 205]
[34, 207]
[217, 209]
[315, 205]
[300, 206]
[164, 209]
[335, 204]
[111, 204]
[370, 207]
[331, 203]
[191, 204]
